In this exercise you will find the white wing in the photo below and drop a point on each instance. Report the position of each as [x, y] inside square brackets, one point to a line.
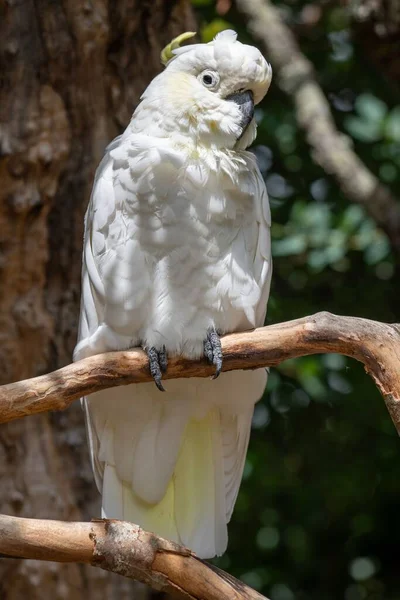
[117, 277]
[262, 257]
[101, 218]
[236, 428]
[112, 253]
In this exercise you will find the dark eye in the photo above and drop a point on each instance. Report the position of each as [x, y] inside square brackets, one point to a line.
[210, 79]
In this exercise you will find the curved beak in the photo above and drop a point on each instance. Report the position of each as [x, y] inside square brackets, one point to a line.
[245, 102]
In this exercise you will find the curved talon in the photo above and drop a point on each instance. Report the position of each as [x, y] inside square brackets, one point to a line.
[159, 384]
[157, 381]
[213, 351]
[157, 365]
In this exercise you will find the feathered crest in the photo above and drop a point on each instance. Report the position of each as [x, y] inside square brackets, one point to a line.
[167, 53]
[227, 36]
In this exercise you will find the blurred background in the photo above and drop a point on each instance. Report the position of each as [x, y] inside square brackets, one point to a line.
[317, 517]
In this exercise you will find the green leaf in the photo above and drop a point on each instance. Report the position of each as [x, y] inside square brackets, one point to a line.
[317, 238]
[388, 172]
[334, 253]
[353, 217]
[313, 386]
[295, 244]
[335, 362]
[365, 236]
[377, 251]
[371, 108]
[363, 130]
[317, 260]
[317, 215]
[339, 18]
[392, 125]
[209, 31]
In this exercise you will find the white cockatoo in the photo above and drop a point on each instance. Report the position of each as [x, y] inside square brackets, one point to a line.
[177, 252]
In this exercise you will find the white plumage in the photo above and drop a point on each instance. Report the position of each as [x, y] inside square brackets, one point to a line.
[177, 242]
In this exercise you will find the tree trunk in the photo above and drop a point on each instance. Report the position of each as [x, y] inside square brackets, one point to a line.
[71, 73]
[376, 28]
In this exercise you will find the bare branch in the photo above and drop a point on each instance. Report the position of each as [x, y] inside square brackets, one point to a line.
[126, 549]
[331, 149]
[377, 345]
[122, 548]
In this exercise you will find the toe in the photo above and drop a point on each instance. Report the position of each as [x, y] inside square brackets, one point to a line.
[157, 381]
[208, 351]
[213, 350]
[163, 359]
[218, 366]
[155, 367]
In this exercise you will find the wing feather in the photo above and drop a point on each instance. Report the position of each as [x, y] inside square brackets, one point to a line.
[236, 427]
[107, 284]
[262, 261]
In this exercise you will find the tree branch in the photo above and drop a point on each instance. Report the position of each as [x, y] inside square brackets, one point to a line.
[126, 549]
[122, 548]
[331, 149]
[377, 345]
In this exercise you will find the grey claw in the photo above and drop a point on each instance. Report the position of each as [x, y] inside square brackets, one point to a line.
[213, 351]
[163, 359]
[208, 352]
[158, 383]
[157, 365]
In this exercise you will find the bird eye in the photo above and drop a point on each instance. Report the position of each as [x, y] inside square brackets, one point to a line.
[210, 79]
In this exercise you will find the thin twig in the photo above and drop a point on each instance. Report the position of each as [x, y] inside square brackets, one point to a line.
[377, 345]
[331, 149]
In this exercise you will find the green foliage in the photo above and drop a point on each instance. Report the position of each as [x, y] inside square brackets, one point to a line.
[374, 121]
[210, 30]
[317, 514]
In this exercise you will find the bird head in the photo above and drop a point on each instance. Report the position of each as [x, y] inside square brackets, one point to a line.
[207, 92]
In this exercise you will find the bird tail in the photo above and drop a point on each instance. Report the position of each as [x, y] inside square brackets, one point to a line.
[193, 509]
[173, 465]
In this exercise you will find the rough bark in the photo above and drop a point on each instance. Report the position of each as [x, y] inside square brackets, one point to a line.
[71, 73]
[376, 27]
[375, 344]
[126, 549]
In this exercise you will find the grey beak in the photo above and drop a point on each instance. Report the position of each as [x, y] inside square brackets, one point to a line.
[245, 101]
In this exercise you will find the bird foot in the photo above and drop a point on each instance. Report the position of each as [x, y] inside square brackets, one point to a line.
[158, 362]
[213, 351]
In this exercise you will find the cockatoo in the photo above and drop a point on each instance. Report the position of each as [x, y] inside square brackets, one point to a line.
[176, 253]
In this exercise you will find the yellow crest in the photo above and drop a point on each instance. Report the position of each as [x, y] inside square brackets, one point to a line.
[167, 53]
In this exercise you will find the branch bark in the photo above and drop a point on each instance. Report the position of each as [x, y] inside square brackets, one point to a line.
[126, 549]
[376, 345]
[331, 148]
[122, 548]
